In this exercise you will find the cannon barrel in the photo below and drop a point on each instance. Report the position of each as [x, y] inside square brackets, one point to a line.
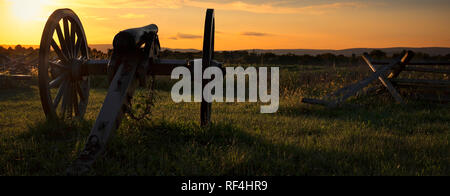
[128, 40]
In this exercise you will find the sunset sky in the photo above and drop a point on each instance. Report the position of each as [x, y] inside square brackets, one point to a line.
[245, 24]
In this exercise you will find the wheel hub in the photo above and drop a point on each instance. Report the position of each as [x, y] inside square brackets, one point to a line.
[76, 69]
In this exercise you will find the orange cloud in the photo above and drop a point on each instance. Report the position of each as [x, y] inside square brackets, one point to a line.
[188, 36]
[255, 34]
[132, 16]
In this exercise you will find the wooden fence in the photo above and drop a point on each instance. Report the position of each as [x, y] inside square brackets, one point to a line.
[388, 72]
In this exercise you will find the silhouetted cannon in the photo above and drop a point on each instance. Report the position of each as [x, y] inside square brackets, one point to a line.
[64, 65]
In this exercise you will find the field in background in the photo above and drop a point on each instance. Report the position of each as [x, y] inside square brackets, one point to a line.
[378, 138]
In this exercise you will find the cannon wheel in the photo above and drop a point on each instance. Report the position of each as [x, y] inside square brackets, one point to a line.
[62, 50]
[208, 55]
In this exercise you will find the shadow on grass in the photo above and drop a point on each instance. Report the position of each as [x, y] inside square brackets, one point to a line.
[183, 148]
[380, 114]
[165, 148]
[45, 148]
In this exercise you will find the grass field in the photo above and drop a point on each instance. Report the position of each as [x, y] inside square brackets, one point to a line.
[378, 138]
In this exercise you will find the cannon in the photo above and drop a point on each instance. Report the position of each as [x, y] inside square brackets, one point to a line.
[64, 65]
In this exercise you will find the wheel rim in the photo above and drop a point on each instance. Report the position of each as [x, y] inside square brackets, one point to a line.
[208, 55]
[64, 91]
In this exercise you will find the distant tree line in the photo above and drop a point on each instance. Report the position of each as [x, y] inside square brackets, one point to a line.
[18, 49]
[246, 57]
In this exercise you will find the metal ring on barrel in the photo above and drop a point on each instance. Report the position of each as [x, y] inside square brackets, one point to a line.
[61, 83]
[208, 56]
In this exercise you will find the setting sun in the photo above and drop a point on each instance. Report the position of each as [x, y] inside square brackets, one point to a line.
[27, 10]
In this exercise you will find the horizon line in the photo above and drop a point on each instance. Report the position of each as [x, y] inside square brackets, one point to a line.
[391, 47]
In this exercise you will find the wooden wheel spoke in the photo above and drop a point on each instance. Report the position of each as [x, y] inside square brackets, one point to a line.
[75, 101]
[80, 91]
[65, 100]
[62, 41]
[58, 52]
[70, 99]
[77, 47]
[72, 38]
[57, 81]
[60, 93]
[67, 38]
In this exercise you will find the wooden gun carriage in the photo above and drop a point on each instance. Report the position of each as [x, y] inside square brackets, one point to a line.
[64, 65]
